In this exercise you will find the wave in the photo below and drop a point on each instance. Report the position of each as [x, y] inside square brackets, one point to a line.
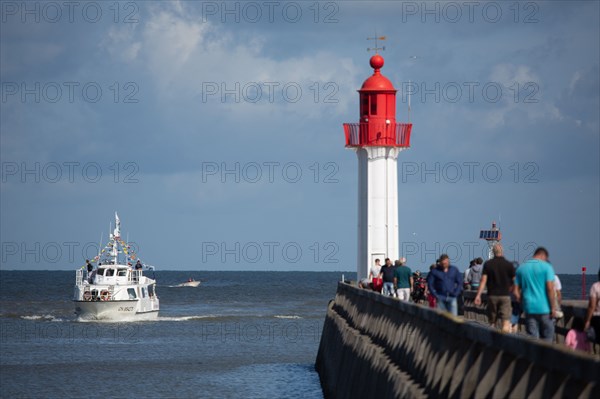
[221, 317]
[186, 318]
[46, 317]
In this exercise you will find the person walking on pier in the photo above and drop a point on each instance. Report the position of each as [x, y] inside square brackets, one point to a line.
[516, 306]
[474, 275]
[403, 280]
[498, 275]
[558, 298]
[466, 280]
[534, 288]
[387, 272]
[375, 276]
[445, 284]
[576, 338]
[419, 290]
[592, 318]
[430, 297]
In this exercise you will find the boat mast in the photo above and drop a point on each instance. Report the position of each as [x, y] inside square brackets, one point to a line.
[116, 235]
[100, 247]
[126, 250]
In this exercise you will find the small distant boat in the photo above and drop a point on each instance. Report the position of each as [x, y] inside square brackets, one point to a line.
[115, 290]
[190, 283]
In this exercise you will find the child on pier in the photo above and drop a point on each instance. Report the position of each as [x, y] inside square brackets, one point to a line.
[576, 338]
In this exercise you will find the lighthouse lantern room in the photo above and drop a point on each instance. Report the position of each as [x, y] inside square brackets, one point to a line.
[377, 140]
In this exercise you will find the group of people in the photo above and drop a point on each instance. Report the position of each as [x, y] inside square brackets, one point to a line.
[393, 279]
[531, 289]
[536, 291]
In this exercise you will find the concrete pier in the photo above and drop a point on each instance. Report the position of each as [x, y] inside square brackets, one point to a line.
[376, 346]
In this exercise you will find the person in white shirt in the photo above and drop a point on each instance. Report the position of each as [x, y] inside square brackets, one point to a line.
[592, 319]
[375, 276]
[558, 297]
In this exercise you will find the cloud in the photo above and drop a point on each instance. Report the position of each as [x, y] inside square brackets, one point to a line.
[509, 74]
[522, 90]
[182, 54]
[120, 44]
[579, 101]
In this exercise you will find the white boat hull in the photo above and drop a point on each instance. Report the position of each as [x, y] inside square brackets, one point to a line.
[112, 311]
[189, 284]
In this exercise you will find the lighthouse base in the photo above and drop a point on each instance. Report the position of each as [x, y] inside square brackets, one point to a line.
[377, 206]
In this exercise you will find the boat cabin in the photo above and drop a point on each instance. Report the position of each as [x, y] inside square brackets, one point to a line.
[116, 275]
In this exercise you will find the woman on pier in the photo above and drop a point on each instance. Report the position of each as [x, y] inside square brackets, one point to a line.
[592, 319]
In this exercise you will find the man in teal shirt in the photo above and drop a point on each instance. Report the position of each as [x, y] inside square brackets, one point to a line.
[403, 280]
[534, 288]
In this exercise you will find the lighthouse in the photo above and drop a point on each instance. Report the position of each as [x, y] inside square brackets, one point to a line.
[377, 140]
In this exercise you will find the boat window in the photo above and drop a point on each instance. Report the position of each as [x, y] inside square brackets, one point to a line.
[122, 272]
[151, 291]
[143, 292]
[100, 272]
[110, 272]
[131, 292]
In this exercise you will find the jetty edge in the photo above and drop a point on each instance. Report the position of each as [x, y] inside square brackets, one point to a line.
[373, 346]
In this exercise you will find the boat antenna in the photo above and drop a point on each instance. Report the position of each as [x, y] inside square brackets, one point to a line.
[100, 246]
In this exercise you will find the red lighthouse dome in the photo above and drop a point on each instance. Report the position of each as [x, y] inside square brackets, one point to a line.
[377, 81]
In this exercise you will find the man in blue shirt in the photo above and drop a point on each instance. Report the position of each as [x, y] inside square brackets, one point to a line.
[534, 288]
[445, 283]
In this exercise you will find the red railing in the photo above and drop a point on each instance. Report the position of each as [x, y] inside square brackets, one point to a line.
[366, 134]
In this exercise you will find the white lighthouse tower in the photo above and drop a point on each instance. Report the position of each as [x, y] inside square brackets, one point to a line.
[377, 140]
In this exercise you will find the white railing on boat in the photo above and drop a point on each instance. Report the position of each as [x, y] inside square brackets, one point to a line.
[79, 277]
[135, 276]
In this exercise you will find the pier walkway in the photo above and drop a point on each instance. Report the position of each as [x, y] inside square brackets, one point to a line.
[374, 346]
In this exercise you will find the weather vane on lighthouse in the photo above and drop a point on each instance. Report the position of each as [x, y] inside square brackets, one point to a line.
[376, 48]
[377, 140]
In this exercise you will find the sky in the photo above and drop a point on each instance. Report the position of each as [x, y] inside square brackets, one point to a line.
[214, 129]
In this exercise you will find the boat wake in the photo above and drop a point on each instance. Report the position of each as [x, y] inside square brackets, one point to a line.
[186, 318]
[287, 317]
[46, 317]
[183, 285]
[159, 318]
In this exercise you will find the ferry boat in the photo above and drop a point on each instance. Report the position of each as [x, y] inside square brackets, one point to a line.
[115, 290]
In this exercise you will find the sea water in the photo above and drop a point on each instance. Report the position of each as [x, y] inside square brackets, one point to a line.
[237, 335]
